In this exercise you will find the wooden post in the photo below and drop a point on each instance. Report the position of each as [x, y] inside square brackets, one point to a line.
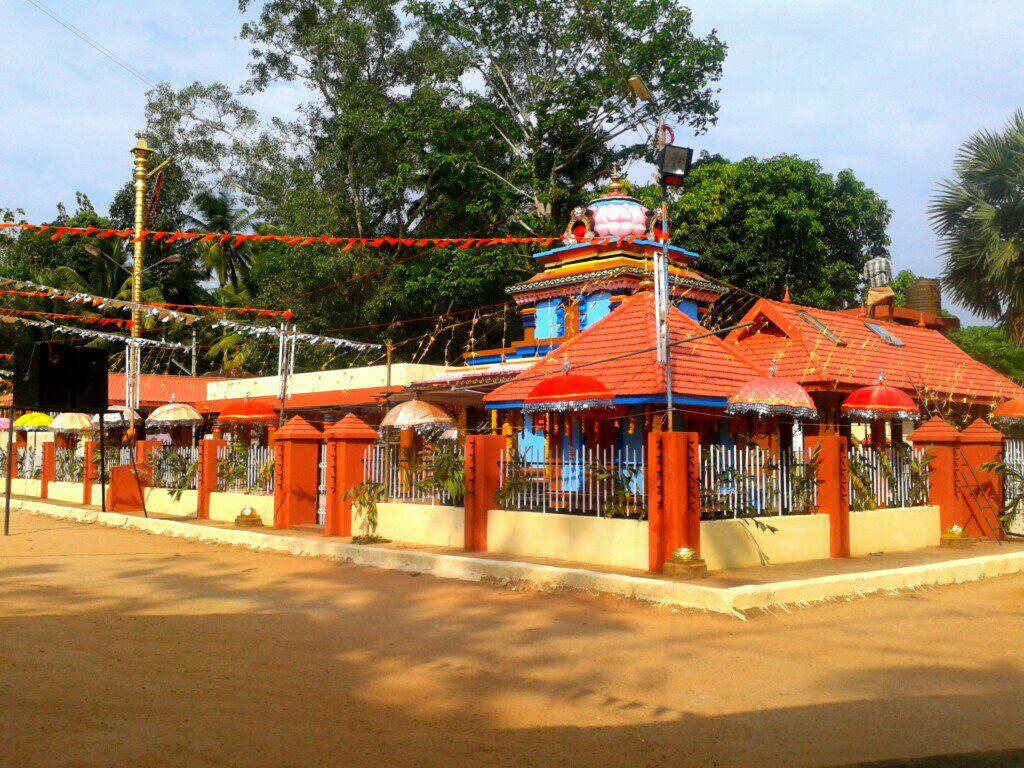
[483, 454]
[673, 495]
[347, 441]
[296, 455]
[834, 490]
[207, 482]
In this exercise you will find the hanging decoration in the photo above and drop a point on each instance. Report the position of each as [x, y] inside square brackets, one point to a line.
[568, 392]
[135, 341]
[236, 239]
[880, 401]
[767, 396]
[102, 321]
[1009, 414]
[258, 311]
[166, 315]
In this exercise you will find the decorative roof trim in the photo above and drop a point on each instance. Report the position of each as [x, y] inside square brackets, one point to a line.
[587, 277]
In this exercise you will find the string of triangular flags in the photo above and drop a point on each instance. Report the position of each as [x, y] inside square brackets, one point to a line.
[166, 315]
[89, 333]
[56, 232]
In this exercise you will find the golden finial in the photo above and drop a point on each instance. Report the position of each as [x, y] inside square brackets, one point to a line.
[615, 188]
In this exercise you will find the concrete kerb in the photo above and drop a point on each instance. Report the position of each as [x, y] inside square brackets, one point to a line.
[734, 601]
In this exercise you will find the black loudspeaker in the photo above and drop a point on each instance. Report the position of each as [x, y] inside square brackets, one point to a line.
[59, 377]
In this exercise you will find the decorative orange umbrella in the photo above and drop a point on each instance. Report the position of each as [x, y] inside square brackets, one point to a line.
[769, 396]
[1009, 414]
[880, 401]
[417, 414]
[568, 392]
[247, 412]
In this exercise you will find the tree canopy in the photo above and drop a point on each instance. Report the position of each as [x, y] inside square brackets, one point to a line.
[979, 218]
[765, 224]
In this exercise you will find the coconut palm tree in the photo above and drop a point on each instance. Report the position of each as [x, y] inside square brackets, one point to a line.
[979, 218]
[216, 212]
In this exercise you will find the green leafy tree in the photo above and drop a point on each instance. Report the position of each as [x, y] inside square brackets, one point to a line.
[992, 347]
[765, 224]
[979, 218]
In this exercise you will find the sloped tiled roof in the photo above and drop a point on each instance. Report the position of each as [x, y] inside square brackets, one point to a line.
[927, 360]
[706, 368]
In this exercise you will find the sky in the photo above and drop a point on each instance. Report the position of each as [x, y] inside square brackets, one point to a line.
[888, 88]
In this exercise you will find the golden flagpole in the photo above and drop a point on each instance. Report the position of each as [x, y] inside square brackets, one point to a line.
[140, 155]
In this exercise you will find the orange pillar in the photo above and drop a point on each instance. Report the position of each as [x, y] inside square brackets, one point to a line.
[673, 495]
[834, 490]
[89, 470]
[942, 441]
[49, 469]
[143, 458]
[483, 454]
[981, 491]
[207, 482]
[296, 455]
[347, 441]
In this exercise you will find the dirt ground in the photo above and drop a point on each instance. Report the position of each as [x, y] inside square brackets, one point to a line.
[122, 648]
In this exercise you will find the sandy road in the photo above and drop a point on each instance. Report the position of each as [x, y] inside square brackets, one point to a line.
[121, 648]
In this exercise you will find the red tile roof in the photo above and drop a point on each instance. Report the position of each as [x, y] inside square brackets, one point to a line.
[704, 368]
[927, 361]
[157, 389]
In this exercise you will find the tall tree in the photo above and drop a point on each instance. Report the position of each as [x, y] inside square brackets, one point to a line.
[216, 212]
[765, 224]
[979, 218]
[551, 80]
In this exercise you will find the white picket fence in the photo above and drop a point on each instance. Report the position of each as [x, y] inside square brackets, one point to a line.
[245, 470]
[175, 467]
[402, 476]
[750, 481]
[30, 462]
[890, 476]
[602, 481]
[68, 465]
[1013, 457]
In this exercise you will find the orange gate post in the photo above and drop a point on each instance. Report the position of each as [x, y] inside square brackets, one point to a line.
[673, 495]
[49, 469]
[834, 489]
[89, 470]
[207, 480]
[296, 455]
[347, 441]
[981, 491]
[483, 455]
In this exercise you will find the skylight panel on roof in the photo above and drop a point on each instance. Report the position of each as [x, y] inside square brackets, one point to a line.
[885, 335]
[820, 327]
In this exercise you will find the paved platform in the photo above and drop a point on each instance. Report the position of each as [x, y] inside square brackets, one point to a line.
[730, 592]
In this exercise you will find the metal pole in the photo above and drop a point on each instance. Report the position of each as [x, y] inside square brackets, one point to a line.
[661, 311]
[10, 467]
[140, 156]
[282, 370]
[195, 351]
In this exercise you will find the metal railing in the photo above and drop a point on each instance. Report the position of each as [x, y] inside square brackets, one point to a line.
[751, 482]
[1013, 458]
[408, 478]
[887, 477]
[175, 467]
[243, 469]
[601, 481]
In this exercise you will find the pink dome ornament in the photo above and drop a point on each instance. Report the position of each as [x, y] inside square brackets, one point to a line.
[621, 217]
